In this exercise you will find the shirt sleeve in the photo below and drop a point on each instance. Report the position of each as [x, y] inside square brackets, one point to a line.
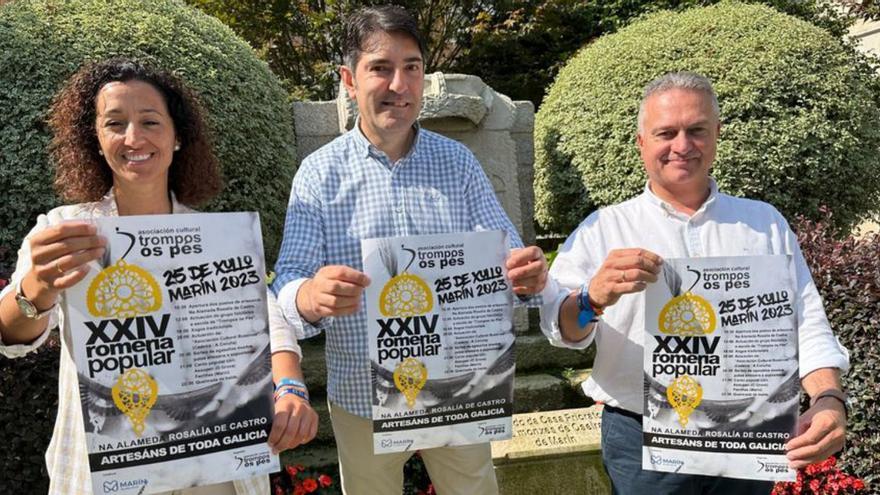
[282, 335]
[22, 266]
[574, 265]
[302, 248]
[818, 347]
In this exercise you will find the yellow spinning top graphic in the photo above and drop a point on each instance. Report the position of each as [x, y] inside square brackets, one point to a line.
[684, 394]
[134, 393]
[406, 295]
[123, 290]
[410, 376]
[687, 314]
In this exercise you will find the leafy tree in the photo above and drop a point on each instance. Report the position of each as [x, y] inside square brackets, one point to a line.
[516, 46]
[519, 47]
[301, 40]
[863, 9]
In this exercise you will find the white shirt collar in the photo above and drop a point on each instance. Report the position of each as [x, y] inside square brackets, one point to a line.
[652, 198]
[367, 148]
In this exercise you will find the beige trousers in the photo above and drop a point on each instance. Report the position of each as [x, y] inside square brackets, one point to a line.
[464, 470]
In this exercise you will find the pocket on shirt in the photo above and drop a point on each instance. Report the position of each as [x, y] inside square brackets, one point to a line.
[432, 211]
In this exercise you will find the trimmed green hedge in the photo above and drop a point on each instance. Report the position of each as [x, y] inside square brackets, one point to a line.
[43, 42]
[799, 109]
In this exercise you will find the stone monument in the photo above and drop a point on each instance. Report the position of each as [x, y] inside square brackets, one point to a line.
[552, 452]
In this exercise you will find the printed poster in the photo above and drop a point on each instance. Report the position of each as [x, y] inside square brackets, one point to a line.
[170, 336]
[439, 315]
[721, 368]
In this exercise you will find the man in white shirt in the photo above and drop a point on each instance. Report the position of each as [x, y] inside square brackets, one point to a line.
[618, 250]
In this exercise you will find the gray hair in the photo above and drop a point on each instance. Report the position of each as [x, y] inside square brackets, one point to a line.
[678, 80]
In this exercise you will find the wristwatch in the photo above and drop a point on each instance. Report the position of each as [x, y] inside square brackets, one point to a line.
[835, 393]
[27, 307]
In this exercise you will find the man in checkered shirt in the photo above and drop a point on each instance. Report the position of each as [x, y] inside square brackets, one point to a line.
[386, 177]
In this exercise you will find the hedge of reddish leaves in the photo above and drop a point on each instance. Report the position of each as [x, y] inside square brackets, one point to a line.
[847, 272]
[28, 402]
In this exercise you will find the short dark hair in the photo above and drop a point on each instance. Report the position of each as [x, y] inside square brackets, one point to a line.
[370, 20]
[82, 174]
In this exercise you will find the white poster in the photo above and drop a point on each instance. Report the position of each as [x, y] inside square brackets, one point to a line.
[171, 342]
[439, 313]
[721, 368]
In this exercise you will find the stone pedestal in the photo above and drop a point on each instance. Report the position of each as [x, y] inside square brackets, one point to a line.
[554, 452]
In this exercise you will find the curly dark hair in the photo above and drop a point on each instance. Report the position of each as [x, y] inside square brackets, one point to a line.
[82, 175]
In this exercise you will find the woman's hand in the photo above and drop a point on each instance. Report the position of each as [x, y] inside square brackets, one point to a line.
[59, 259]
[295, 423]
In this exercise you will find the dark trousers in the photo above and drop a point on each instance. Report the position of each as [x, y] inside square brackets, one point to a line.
[622, 457]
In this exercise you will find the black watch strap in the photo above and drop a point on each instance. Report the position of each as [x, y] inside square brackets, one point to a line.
[834, 393]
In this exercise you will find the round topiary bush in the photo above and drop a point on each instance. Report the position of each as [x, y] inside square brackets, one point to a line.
[799, 111]
[43, 42]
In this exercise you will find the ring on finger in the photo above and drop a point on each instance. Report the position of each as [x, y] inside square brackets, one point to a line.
[58, 267]
[622, 276]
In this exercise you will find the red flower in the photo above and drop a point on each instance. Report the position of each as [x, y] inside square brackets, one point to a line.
[325, 480]
[291, 471]
[821, 478]
[279, 490]
[299, 490]
[310, 485]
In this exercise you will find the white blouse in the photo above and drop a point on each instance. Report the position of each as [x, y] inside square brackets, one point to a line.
[67, 456]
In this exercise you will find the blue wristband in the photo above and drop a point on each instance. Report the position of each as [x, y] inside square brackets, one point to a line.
[290, 382]
[586, 313]
[290, 390]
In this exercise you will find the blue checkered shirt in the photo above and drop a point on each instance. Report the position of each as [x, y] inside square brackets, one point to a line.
[348, 190]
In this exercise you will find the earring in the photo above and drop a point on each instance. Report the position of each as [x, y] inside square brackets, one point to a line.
[100, 152]
[177, 147]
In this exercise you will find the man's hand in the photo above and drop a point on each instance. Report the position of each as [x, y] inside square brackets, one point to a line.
[295, 423]
[821, 433]
[527, 270]
[624, 271]
[334, 291]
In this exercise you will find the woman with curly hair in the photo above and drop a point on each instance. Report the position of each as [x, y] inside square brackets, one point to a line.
[128, 140]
